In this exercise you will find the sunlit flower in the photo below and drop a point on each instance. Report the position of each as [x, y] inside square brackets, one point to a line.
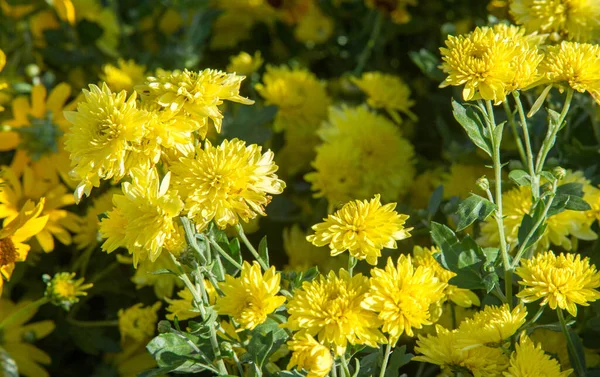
[64, 291]
[387, 92]
[138, 323]
[124, 76]
[244, 63]
[310, 355]
[491, 326]
[529, 359]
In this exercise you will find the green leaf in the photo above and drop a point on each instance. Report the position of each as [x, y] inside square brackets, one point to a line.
[526, 225]
[250, 124]
[434, 202]
[449, 244]
[520, 177]
[579, 350]
[163, 271]
[473, 125]
[175, 351]
[369, 364]
[263, 250]
[272, 326]
[473, 208]
[236, 253]
[398, 359]
[576, 203]
[260, 348]
[570, 189]
[499, 131]
[8, 367]
[428, 63]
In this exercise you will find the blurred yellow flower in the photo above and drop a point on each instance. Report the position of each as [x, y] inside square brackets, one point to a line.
[132, 360]
[124, 76]
[461, 179]
[64, 291]
[40, 22]
[106, 18]
[528, 359]
[395, 8]
[310, 355]
[423, 187]
[303, 255]
[163, 285]
[555, 343]
[244, 63]
[387, 92]
[138, 323]
[314, 27]
[491, 326]
[183, 307]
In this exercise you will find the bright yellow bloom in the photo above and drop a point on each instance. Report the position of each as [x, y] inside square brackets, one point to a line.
[17, 339]
[424, 257]
[529, 360]
[144, 218]
[576, 65]
[182, 307]
[442, 350]
[105, 136]
[226, 182]
[65, 10]
[315, 27]
[395, 8]
[572, 19]
[124, 76]
[244, 63]
[330, 309]
[310, 355]
[195, 93]
[300, 96]
[138, 323]
[163, 284]
[63, 290]
[363, 228]
[303, 255]
[15, 190]
[564, 281]
[89, 225]
[402, 294]
[252, 296]
[387, 92]
[491, 326]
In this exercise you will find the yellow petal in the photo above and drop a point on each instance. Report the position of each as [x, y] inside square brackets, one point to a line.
[38, 101]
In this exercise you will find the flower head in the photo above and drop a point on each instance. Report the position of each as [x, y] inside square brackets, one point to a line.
[363, 228]
[401, 294]
[529, 359]
[563, 281]
[226, 183]
[387, 92]
[250, 297]
[124, 76]
[310, 355]
[182, 307]
[138, 323]
[315, 27]
[87, 234]
[303, 255]
[461, 179]
[63, 290]
[244, 63]
[491, 326]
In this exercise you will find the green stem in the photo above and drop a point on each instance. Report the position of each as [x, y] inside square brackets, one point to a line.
[224, 254]
[537, 315]
[351, 264]
[106, 271]
[511, 121]
[23, 312]
[386, 359]
[576, 361]
[257, 256]
[345, 366]
[333, 371]
[366, 53]
[535, 182]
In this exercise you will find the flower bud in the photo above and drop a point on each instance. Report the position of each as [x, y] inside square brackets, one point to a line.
[559, 173]
[483, 183]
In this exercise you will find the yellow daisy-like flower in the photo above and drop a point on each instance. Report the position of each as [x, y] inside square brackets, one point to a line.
[303, 255]
[163, 285]
[132, 360]
[572, 19]
[226, 183]
[252, 296]
[424, 257]
[387, 92]
[138, 323]
[310, 355]
[315, 27]
[442, 350]
[401, 294]
[144, 218]
[244, 63]
[64, 291]
[564, 281]
[529, 359]
[196, 93]
[105, 135]
[300, 96]
[363, 228]
[491, 326]
[182, 307]
[124, 76]
[330, 309]
[18, 335]
[576, 65]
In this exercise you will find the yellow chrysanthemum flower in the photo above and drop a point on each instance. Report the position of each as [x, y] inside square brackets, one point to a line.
[252, 296]
[442, 350]
[303, 255]
[230, 28]
[395, 8]
[244, 63]
[491, 326]
[226, 182]
[363, 228]
[572, 19]
[529, 359]
[387, 92]
[105, 136]
[564, 281]
[17, 338]
[64, 291]
[576, 65]
[182, 307]
[163, 285]
[15, 190]
[300, 96]
[138, 323]
[424, 257]
[315, 27]
[401, 294]
[461, 179]
[132, 360]
[124, 76]
[310, 355]
[144, 218]
[555, 343]
[195, 93]
[330, 309]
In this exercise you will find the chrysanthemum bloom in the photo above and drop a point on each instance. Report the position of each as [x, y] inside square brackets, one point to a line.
[183, 307]
[105, 136]
[315, 27]
[249, 298]
[144, 218]
[244, 63]
[124, 76]
[15, 233]
[529, 359]
[577, 20]
[387, 92]
[363, 228]
[395, 8]
[89, 225]
[424, 257]
[17, 339]
[491, 326]
[329, 308]
[138, 323]
[15, 190]
[310, 355]
[401, 294]
[303, 255]
[300, 96]
[64, 291]
[226, 183]
[564, 281]
[442, 350]
[196, 93]
[461, 179]
[172, 131]
[575, 65]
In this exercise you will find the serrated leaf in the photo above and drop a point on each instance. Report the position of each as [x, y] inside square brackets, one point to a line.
[473, 208]
[473, 126]
[520, 177]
